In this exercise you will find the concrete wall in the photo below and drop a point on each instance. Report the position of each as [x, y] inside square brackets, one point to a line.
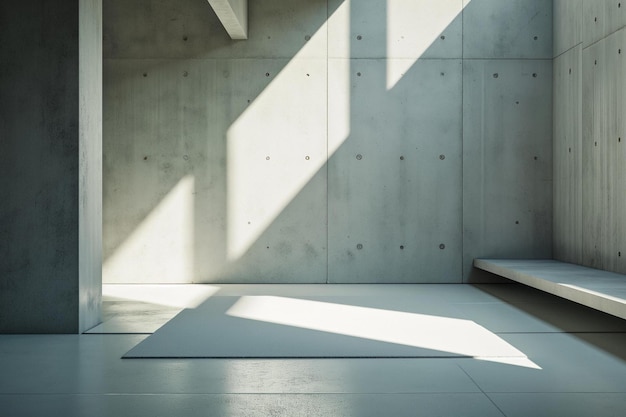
[90, 163]
[589, 133]
[507, 123]
[344, 141]
[45, 145]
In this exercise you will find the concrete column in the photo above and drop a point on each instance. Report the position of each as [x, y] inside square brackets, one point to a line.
[50, 165]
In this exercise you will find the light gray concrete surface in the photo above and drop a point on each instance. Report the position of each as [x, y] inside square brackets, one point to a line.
[603, 155]
[189, 29]
[602, 18]
[495, 29]
[580, 369]
[598, 289]
[568, 180]
[90, 164]
[616, 138]
[321, 327]
[595, 21]
[233, 184]
[395, 29]
[596, 223]
[568, 25]
[507, 159]
[394, 183]
[234, 16]
[237, 161]
[49, 122]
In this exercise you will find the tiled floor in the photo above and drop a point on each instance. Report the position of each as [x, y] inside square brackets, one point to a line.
[581, 355]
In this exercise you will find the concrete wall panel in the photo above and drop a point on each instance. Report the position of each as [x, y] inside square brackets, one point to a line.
[395, 180]
[603, 219]
[157, 116]
[276, 176]
[595, 21]
[568, 25]
[604, 157]
[395, 29]
[90, 164]
[595, 153]
[190, 29]
[507, 29]
[196, 139]
[271, 129]
[568, 156]
[616, 10]
[39, 146]
[616, 138]
[602, 18]
[507, 160]
[49, 119]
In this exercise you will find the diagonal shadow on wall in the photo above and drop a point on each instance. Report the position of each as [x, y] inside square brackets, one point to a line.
[372, 209]
[323, 149]
[166, 118]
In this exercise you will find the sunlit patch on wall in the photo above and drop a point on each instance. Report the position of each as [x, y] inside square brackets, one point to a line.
[412, 28]
[170, 295]
[276, 146]
[166, 233]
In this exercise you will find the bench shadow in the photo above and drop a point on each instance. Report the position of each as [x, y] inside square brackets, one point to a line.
[599, 329]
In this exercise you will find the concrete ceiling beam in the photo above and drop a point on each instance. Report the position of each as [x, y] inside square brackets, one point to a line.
[234, 16]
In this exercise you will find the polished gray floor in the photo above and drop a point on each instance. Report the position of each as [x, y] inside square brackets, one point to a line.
[575, 366]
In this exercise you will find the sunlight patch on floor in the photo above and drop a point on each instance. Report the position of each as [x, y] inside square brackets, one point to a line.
[463, 337]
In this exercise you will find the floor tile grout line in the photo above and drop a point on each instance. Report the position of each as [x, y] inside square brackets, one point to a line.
[554, 392]
[563, 332]
[608, 332]
[117, 333]
[147, 394]
[403, 393]
[481, 390]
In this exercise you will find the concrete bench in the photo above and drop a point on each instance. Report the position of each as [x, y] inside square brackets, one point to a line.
[601, 290]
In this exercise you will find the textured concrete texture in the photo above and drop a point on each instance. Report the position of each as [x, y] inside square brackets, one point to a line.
[340, 143]
[568, 221]
[576, 364]
[394, 184]
[90, 164]
[49, 228]
[604, 154]
[395, 29]
[494, 29]
[600, 18]
[234, 16]
[601, 290]
[507, 169]
[589, 132]
[567, 31]
[190, 29]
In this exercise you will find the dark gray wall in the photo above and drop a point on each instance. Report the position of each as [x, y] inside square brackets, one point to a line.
[39, 168]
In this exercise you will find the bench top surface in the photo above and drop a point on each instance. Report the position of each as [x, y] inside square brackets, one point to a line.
[603, 290]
